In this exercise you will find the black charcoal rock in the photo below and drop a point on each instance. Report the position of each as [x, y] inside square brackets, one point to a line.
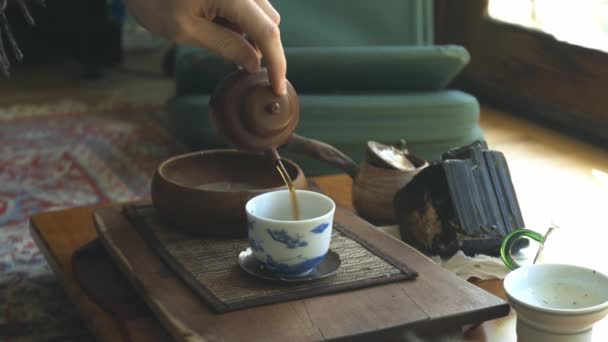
[464, 202]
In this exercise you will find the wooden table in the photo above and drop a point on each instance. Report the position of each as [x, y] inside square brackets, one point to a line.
[60, 234]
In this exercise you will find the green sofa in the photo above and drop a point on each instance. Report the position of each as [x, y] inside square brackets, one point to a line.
[368, 73]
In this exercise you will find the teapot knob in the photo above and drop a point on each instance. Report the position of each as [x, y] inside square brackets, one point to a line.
[247, 113]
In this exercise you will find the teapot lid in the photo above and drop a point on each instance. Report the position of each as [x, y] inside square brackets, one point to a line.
[389, 156]
[247, 113]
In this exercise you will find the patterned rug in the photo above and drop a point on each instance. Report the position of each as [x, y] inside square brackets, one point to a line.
[56, 157]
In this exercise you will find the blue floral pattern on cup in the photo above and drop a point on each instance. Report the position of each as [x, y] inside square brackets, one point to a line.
[300, 269]
[291, 248]
[281, 235]
[250, 224]
[256, 245]
[320, 228]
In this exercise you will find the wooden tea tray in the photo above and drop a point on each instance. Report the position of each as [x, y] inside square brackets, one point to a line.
[436, 300]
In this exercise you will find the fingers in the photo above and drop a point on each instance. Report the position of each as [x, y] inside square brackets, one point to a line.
[225, 23]
[254, 21]
[272, 13]
[269, 10]
[229, 44]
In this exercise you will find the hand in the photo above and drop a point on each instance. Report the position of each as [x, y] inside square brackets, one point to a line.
[223, 26]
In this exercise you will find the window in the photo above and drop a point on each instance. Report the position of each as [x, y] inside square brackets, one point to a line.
[582, 22]
[535, 57]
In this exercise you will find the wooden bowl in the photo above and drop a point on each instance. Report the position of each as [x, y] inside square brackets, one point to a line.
[374, 189]
[190, 191]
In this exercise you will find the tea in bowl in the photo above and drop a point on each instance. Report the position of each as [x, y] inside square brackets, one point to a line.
[283, 245]
[556, 303]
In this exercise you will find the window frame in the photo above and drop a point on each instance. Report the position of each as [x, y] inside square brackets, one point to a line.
[527, 71]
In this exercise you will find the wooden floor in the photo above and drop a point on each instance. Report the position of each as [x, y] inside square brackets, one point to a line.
[139, 81]
[557, 178]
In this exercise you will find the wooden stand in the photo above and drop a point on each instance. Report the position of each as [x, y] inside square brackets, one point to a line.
[436, 300]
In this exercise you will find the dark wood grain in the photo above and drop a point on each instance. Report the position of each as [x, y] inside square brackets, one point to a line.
[441, 294]
[527, 71]
[183, 314]
[440, 297]
[103, 283]
[59, 235]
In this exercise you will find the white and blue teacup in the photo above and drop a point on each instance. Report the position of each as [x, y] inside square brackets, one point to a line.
[284, 246]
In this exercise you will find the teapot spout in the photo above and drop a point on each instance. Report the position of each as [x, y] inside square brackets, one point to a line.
[323, 152]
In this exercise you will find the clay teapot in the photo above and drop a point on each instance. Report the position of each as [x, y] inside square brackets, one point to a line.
[247, 114]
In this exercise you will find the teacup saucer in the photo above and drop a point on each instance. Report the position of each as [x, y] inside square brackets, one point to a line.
[329, 266]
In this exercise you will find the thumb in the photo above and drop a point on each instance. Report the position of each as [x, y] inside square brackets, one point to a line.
[222, 40]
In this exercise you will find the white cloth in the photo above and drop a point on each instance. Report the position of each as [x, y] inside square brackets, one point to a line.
[480, 266]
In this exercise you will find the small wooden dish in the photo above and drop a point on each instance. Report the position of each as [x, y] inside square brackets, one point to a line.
[191, 191]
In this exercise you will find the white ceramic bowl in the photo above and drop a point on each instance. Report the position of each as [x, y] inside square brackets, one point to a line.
[556, 303]
[284, 246]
